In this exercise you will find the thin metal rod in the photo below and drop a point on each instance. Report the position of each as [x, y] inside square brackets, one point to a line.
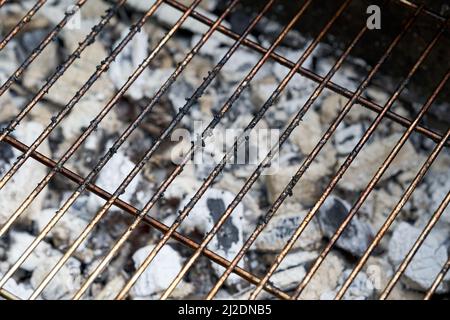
[37, 51]
[104, 65]
[269, 157]
[441, 275]
[60, 70]
[27, 18]
[401, 269]
[126, 133]
[100, 69]
[270, 101]
[8, 295]
[42, 184]
[150, 221]
[307, 162]
[353, 154]
[2, 2]
[312, 76]
[390, 219]
[208, 131]
[413, 5]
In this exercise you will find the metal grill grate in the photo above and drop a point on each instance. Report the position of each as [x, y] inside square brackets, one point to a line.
[143, 215]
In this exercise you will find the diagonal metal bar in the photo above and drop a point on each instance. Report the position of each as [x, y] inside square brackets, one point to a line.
[390, 219]
[313, 76]
[21, 24]
[37, 51]
[90, 38]
[159, 193]
[306, 163]
[127, 132]
[353, 154]
[441, 275]
[152, 222]
[100, 69]
[270, 101]
[401, 269]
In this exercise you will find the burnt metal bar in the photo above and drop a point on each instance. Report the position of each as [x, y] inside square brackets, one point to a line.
[270, 101]
[150, 221]
[409, 257]
[127, 132]
[306, 163]
[37, 51]
[390, 219]
[55, 120]
[159, 193]
[313, 76]
[441, 275]
[90, 38]
[21, 24]
[353, 154]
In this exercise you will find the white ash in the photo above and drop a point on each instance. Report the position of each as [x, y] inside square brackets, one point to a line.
[428, 261]
[282, 226]
[159, 274]
[27, 178]
[206, 213]
[356, 236]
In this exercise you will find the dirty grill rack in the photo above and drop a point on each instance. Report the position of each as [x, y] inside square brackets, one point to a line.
[169, 232]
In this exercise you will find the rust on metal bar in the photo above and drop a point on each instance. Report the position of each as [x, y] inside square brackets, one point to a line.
[21, 24]
[401, 269]
[441, 275]
[311, 75]
[150, 221]
[38, 50]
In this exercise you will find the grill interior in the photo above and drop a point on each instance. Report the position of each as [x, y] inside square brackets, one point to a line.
[290, 70]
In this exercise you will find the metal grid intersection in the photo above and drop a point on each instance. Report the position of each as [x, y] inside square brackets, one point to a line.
[170, 232]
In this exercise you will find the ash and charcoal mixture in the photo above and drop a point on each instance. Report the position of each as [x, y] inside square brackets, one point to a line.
[212, 149]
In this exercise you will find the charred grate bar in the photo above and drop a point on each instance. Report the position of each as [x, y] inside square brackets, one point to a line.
[147, 214]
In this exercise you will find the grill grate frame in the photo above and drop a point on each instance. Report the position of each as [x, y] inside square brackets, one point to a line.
[57, 167]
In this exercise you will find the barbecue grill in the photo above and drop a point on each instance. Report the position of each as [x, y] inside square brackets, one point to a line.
[433, 128]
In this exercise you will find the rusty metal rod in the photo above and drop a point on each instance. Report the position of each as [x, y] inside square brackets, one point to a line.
[127, 132]
[307, 162]
[55, 120]
[269, 157]
[37, 51]
[390, 219]
[27, 18]
[2, 2]
[353, 154]
[159, 193]
[42, 184]
[61, 69]
[150, 221]
[270, 101]
[437, 281]
[401, 269]
[313, 76]
[104, 65]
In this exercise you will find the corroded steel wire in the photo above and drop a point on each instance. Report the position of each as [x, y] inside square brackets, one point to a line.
[104, 65]
[159, 193]
[90, 38]
[306, 163]
[128, 208]
[353, 154]
[312, 76]
[390, 219]
[127, 132]
[55, 120]
[437, 281]
[270, 101]
[401, 269]
[37, 51]
[24, 21]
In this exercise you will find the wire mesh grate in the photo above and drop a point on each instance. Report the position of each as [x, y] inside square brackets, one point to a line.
[140, 216]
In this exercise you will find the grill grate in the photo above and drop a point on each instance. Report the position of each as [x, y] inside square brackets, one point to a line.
[142, 216]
